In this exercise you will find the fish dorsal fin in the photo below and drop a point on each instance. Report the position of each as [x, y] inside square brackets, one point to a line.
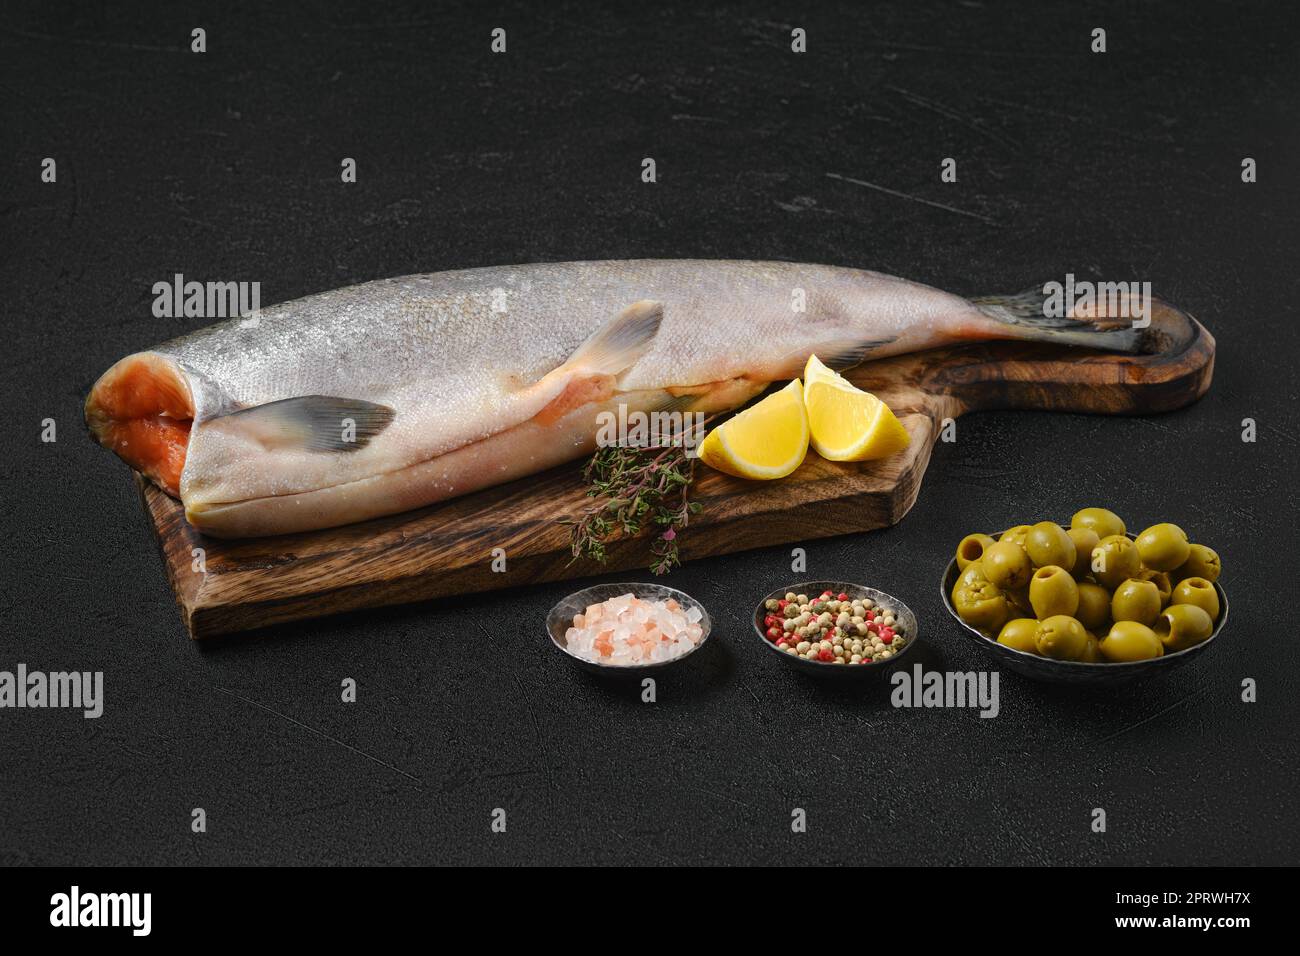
[310, 422]
[615, 346]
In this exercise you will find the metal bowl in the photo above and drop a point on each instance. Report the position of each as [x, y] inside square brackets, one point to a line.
[1077, 672]
[902, 613]
[560, 619]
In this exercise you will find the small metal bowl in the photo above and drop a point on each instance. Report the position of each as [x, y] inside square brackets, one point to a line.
[902, 613]
[560, 619]
[1077, 672]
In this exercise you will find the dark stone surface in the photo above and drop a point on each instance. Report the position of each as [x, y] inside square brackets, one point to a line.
[226, 166]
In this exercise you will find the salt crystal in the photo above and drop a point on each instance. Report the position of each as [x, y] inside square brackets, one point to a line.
[626, 630]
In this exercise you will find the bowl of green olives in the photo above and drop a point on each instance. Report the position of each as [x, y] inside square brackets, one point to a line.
[1088, 602]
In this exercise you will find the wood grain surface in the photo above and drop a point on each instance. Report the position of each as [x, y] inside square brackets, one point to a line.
[446, 549]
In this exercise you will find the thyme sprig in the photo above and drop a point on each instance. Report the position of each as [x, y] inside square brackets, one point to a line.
[638, 487]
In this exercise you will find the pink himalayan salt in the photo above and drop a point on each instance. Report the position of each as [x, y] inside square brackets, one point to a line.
[627, 630]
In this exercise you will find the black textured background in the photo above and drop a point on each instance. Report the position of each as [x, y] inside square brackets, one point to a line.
[226, 166]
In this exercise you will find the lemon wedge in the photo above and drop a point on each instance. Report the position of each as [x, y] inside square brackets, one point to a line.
[848, 424]
[767, 440]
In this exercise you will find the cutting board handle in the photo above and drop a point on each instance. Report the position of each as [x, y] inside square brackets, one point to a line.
[1174, 369]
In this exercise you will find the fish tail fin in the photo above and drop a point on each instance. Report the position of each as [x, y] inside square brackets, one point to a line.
[615, 346]
[1025, 315]
[311, 422]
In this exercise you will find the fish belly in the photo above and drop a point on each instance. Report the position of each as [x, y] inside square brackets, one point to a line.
[517, 452]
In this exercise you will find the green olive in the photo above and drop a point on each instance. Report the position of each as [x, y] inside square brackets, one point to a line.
[1115, 560]
[1136, 600]
[1085, 539]
[1130, 641]
[1161, 580]
[974, 574]
[1202, 562]
[1104, 523]
[1007, 565]
[1052, 592]
[1199, 592]
[1016, 534]
[982, 606]
[1092, 653]
[1048, 544]
[1019, 633]
[1163, 547]
[1094, 606]
[971, 548]
[1061, 638]
[1181, 626]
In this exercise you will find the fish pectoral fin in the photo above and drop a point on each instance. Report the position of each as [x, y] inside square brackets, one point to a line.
[310, 422]
[615, 346]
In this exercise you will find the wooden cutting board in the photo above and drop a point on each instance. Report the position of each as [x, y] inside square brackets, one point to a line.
[447, 549]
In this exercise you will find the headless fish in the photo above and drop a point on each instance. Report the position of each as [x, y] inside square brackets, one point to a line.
[399, 393]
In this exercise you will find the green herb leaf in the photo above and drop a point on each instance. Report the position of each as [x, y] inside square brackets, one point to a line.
[639, 487]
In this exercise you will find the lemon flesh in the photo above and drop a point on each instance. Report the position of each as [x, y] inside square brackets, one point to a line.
[767, 440]
[846, 423]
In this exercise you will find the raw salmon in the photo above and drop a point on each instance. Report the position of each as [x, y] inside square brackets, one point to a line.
[398, 393]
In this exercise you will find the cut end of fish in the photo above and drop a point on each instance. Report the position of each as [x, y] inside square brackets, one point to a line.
[142, 410]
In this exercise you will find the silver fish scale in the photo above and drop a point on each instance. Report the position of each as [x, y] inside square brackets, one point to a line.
[437, 338]
[463, 357]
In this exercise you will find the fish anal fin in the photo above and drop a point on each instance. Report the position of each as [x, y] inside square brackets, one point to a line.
[840, 358]
[674, 401]
[310, 422]
[717, 396]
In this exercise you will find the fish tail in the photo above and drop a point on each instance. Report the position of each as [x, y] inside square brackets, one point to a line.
[1025, 315]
